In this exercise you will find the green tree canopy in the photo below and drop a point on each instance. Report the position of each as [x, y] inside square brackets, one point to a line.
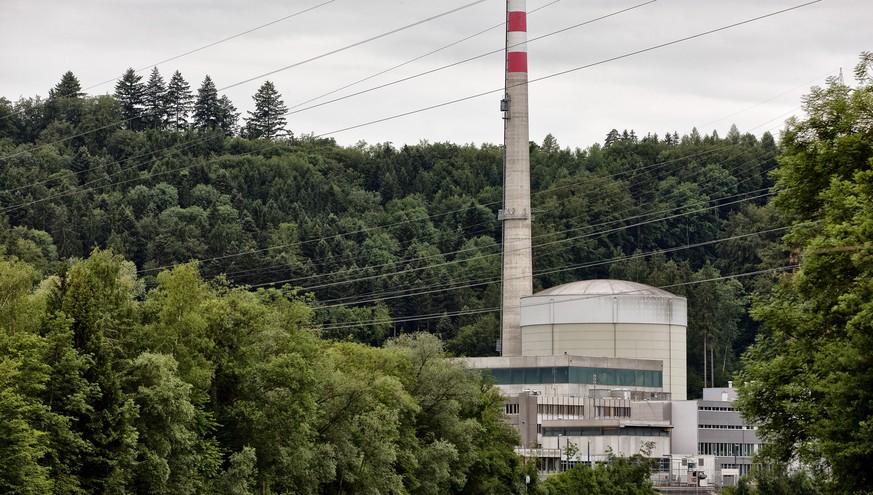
[267, 121]
[130, 91]
[808, 382]
[180, 102]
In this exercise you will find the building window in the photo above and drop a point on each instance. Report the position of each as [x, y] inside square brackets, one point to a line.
[727, 449]
[577, 374]
[574, 409]
[511, 409]
[627, 431]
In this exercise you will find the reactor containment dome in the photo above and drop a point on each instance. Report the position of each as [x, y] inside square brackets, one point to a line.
[609, 318]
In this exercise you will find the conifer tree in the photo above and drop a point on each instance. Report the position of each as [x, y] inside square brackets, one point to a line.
[227, 116]
[206, 107]
[268, 119]
[179, 102]
[155, 100]
[64, 99]
[68, 87]
[130, 92]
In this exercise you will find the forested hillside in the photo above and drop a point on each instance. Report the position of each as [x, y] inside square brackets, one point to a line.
[191, 304]
[388, 240]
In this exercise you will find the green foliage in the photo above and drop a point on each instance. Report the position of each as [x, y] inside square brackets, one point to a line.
[383, 241]
[154, 100]
[618, 476]
[770, 480]
[206, 109]
[268, 119]
[179, 102]
[23, 444]
[808, 381]
[130, 92]
[107, 388]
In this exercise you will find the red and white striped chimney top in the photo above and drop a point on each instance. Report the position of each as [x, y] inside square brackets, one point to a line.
[516, 37]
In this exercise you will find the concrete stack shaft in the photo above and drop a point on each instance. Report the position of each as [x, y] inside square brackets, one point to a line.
[516, 212]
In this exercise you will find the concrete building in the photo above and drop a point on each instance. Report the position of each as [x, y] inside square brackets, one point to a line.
[598, 405]
[613, 319]
[713, 428]
[600, 362]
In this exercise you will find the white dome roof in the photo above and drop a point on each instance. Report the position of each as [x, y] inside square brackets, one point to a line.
[604, 287]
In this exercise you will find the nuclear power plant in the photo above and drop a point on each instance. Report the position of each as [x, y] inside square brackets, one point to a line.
[599, 365]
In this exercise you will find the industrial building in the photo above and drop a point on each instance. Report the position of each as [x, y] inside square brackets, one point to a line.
[601, 361]
[713, 427]
[596, 367]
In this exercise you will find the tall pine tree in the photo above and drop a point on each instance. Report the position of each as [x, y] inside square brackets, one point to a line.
[227, 116]
[155, 100]
[179, 103]
[64, 101]
[130, 91]
[268, 119]
[206, 107]
[68, 87]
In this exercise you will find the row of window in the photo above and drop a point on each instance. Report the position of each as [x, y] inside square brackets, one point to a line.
[629, 431]
[560, 411]
[727, 449]
[725, 427]
[576, 374]
[716, 408]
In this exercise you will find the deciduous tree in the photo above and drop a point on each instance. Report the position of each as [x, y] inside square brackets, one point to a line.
[808, 382]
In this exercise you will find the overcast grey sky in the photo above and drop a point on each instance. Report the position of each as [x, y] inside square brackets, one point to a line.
[752, 75]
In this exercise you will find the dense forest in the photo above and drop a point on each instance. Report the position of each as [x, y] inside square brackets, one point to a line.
[387, 240]
[179, 286]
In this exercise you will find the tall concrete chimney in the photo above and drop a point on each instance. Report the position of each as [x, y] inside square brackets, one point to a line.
[516, 213]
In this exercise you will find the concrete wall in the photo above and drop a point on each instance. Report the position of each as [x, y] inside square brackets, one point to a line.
[661, 342]
[685, 427]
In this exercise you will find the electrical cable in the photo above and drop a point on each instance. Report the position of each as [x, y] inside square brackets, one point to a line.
[455, 253]
[354, 45]
[403, 64]
[297, 64]
[581, 236]
[408, 319]
[210, 45]
[470, 59]
[564, 72]
[381, 297]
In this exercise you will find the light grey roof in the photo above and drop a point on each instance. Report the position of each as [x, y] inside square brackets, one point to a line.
[604, 287]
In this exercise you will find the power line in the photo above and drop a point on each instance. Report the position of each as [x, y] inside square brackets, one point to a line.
[311, 59]
[460, 62]
[356, 44]
[408, 319]
[581, 236]
[395, 67]
[397, 294]
[568, 71]
[209, 45]
[687, 38]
